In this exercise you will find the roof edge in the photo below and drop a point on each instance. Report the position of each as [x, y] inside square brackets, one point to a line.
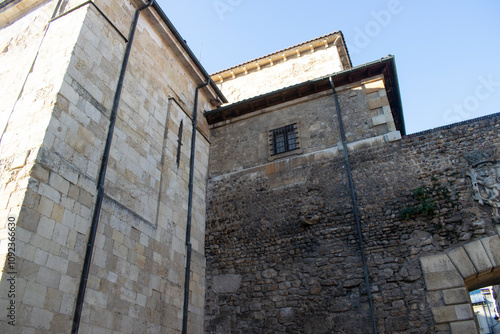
[287, 50]
[188, 50]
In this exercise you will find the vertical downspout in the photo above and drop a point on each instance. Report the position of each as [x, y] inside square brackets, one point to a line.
[187, 276]
[355, 206]
[102, 175]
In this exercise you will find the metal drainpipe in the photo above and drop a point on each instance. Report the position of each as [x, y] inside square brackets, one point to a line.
[355, 206]
[187, 275]
[102, 175]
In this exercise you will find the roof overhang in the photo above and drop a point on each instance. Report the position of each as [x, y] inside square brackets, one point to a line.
[385, 66]
[184, 53]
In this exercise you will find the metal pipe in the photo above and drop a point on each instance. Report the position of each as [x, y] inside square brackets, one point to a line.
[187, 275]
[354, 205]
[102, 176]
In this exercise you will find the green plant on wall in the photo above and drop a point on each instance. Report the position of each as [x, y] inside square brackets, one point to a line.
[426, 205]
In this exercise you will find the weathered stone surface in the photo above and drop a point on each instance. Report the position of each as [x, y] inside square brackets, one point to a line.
[478, 256]
[462, 262]
[463, 327]
[440, 273]
[456, 296]
[226, 283]
[492, 248]
[452, 313]
[256, 211]
[61, 77]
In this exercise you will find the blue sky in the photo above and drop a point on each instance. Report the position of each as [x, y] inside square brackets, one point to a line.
[447, 52]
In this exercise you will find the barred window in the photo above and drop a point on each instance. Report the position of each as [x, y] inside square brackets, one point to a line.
[284, 139]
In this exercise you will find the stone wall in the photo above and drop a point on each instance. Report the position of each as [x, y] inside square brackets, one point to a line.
[51, 155]
[282, 248]
[307, 61]
[243, 142]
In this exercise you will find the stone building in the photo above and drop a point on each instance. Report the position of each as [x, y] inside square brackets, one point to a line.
[323, 216]
[66, 92]
[320, 214]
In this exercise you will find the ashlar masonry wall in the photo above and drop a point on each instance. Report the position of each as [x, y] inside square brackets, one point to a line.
[51, 154]
[282, 248]
[244, 141]
[304, 62]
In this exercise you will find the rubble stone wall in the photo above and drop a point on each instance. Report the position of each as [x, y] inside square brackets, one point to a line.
[282, 247]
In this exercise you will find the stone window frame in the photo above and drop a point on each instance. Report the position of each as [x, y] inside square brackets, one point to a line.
[298, 138]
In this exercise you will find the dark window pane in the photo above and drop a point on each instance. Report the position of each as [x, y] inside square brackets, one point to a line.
[284, 139]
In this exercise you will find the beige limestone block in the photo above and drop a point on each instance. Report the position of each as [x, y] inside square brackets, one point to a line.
[440, 273]
[492, 247]
[463, 327]
[34, 294]
[478, 256]
[462, 262]
[378, 102]
[452, 313]
[455, 296]
[40, 318]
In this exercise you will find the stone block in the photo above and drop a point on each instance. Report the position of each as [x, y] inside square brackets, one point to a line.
[462, 262]
[57, 213]
[392, 136]
[463, 327]
[45, 207]
[48, 277]
[378, 102]
[68, 284]
[57, 263]
[381, 119]
[34, 294]
[96, 298]
[69, 93]
[60, 234]
[53, 300]
[492, 247]
[45, 227]
[49, 192]
[456, 296]
[59, 183]
[440, 273]
[40, 318]
[478, 256]
[374, 86]
[28, 219]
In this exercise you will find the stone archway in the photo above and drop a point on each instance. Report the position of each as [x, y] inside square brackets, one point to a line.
[451, 275]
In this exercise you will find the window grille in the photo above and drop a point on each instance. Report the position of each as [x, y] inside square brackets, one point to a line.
[284, 139]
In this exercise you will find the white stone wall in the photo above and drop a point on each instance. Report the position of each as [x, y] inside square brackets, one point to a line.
[51, 156]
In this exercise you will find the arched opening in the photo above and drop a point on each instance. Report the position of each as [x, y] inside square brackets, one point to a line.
[451, 276]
